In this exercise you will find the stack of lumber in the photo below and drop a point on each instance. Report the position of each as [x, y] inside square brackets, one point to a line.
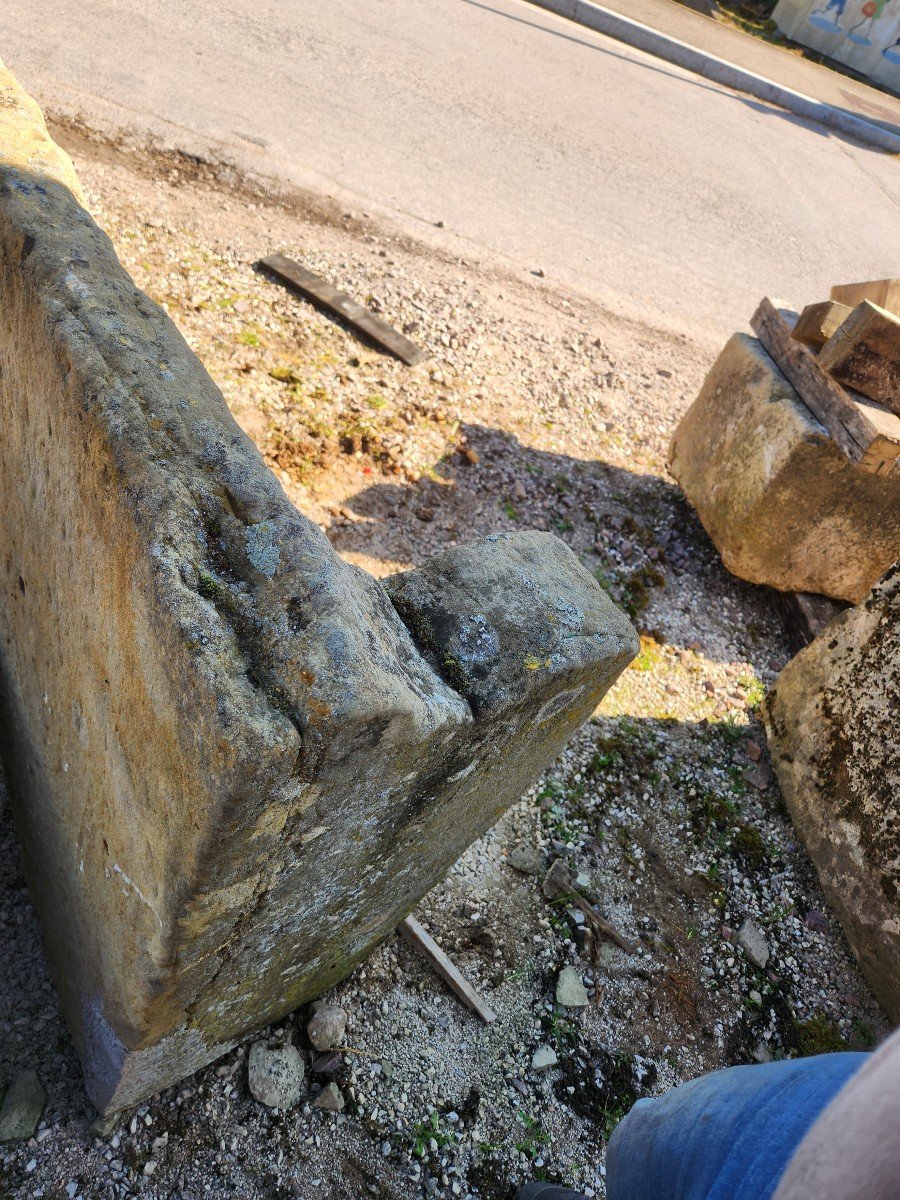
[843, 357]
[789, 452]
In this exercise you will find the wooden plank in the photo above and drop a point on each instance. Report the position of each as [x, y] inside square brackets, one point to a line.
[871, 442]
[412, 932]
[319, 291]
[818, 322]
[805, 615]
[883, 292]
[864, 354]
[880, 418]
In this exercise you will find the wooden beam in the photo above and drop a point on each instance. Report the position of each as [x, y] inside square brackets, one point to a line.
[864, 431]
[864, 354]
[319, 291]
[818, 322]
[412, 932]
[883, 292]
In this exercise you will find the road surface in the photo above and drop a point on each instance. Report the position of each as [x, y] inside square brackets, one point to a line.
[666, 197]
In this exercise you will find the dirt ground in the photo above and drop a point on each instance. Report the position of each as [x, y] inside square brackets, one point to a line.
[535, 409]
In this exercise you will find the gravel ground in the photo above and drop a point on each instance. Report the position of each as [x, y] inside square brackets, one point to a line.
[534, 409]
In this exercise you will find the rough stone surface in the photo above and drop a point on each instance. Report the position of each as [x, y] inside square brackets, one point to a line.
[275, 1074]
[233, 767]
[517, 628]
[543, 1058]
[22, 1107]
[780, 501]
[570, 989]
[832, 726]
[527, 860]
[753, 944]
[327, 1025]
[330, 1098]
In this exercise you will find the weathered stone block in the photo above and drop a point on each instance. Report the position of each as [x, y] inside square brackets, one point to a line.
[232, 769]
[831, 721]
[780, 501]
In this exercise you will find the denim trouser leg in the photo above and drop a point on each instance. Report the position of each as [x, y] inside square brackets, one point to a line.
[724, 1136]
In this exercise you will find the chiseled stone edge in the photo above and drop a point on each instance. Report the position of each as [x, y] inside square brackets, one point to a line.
[25, 144]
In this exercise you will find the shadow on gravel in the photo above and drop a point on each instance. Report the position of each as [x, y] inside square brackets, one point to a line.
[634, 531]
[678, 844]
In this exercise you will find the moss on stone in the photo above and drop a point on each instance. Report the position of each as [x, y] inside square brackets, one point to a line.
[748, 845]
[209, 588]
[820, 1035]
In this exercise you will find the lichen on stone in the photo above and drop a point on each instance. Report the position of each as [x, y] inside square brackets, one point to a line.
[262, 548]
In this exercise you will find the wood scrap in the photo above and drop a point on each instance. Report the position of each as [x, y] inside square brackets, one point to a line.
[864, 354]
[558, 885]
[412, 932]
[319, 291]
[818, 322]
[883, 292]
[805, 615]
[865, 432]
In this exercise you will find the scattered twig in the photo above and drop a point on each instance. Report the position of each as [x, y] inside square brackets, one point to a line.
[558, 885]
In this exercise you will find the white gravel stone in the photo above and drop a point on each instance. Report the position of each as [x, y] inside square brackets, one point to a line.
[543, 1058]
[330, 1099]
[327, 1025]
[570, 990]
[753, 944]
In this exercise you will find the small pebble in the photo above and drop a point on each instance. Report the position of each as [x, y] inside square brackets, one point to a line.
[543, 1058]
[327, 1025]
[570, 990]
[330, 1098]
[753, 944]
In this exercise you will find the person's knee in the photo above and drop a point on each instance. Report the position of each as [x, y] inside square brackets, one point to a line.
[630, 1166]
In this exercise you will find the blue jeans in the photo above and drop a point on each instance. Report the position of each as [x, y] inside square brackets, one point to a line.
[725, 1136]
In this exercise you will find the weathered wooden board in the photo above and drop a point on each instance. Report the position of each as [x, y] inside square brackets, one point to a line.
[818, 322]
[867, 433]
[883, 292]
[412, 932]
[864, 354]
[319, 291]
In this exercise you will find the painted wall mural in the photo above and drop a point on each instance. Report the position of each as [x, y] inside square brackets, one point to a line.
[863, 34]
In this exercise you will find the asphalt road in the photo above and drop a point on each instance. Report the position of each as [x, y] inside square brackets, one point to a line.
[668, 198]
